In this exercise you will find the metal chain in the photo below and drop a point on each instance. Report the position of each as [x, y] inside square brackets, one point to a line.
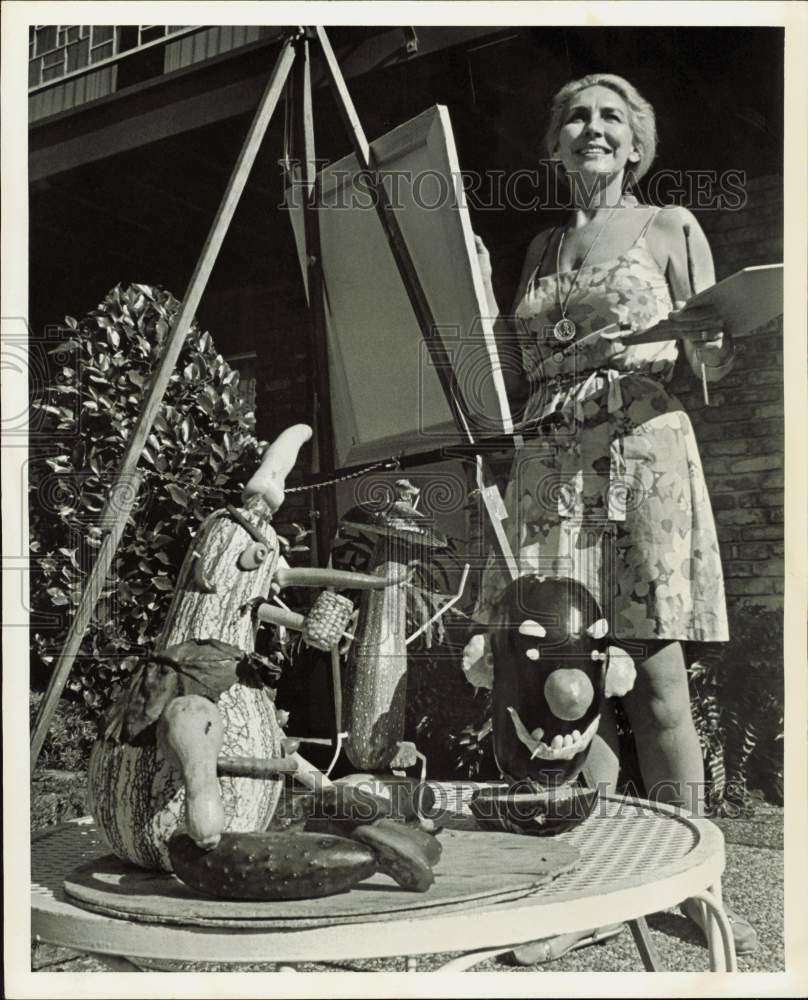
[388, 463]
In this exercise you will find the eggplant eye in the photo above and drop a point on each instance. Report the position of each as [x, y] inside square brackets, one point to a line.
[533, 629]
[598, 629]
[598, 656]
[532, 654]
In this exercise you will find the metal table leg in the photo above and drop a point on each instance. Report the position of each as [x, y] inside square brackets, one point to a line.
[645, 945]
[717, 929]
[115, 963]
[463, 962]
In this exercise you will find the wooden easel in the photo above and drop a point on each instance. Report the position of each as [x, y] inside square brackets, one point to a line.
[295, 59]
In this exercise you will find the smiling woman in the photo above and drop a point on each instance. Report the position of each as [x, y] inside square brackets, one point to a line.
[613, 495]
[627, 118]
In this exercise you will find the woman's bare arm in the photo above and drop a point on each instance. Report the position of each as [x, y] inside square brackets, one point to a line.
[506, 331]
[679, 244]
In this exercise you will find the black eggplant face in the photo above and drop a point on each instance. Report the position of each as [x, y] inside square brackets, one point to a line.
[549, 650]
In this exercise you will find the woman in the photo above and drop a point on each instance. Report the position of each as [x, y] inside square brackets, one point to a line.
[614, 495]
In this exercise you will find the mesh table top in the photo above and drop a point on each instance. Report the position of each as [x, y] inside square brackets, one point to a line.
[636, 858]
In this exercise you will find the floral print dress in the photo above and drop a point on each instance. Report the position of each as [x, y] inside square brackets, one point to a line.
[614, 494]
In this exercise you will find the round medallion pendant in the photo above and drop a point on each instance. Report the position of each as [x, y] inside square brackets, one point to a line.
[564, 330]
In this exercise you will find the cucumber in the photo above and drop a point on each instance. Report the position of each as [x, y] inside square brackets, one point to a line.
[269, 866]
[400, 853]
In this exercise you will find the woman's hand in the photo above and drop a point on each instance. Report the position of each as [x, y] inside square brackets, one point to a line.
[699, 324]
[699, 329]
[483, 258]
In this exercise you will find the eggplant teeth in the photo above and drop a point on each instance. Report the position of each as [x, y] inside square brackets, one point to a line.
[560, 747]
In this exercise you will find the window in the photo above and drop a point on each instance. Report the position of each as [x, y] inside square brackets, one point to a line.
[53, 64]
[45, 38]
[78, 55]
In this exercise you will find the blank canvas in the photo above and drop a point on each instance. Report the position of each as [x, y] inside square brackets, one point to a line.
[385, 394]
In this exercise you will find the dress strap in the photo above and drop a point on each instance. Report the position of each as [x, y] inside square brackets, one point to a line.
[649, 222]
[545, 248]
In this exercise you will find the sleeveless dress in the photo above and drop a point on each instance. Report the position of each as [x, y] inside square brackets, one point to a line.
[614, 494]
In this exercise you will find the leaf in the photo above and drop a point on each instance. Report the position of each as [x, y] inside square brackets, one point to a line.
[163, 583]
[186, 427]
[59, 463]
[136, 378]
[177, 494]
[66, 345]
[113, 337]
[57, 596]
[204, 404]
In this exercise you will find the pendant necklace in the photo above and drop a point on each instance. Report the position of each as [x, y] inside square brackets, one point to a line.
[564, 330]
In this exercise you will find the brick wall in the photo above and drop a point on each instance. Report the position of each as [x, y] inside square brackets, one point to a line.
[740, 434]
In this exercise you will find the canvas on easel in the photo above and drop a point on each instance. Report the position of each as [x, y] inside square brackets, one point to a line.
[386, 395]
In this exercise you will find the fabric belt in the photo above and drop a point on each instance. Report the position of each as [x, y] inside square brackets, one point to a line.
[572, 407]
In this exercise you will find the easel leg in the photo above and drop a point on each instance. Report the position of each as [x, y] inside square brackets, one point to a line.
[304, 157]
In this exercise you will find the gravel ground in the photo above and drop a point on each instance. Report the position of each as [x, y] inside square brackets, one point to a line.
[753, 887]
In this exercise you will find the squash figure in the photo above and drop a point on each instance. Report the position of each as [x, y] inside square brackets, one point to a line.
[151, 750]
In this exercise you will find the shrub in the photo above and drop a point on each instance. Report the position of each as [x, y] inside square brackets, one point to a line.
[737, 702]
[70, 737]
[200, 452]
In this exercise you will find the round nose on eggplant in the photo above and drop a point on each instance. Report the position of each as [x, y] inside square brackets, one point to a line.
[569, 693]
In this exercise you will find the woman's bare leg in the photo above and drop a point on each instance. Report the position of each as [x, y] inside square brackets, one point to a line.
[603, 761]
[658, 708]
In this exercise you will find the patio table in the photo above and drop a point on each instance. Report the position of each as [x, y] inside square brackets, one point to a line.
[636, 858]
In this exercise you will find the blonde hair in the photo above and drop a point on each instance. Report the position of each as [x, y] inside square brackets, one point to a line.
[641, 116]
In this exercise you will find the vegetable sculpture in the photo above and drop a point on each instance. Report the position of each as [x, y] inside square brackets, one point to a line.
[201, 698]
[551, 666]
[376, 678]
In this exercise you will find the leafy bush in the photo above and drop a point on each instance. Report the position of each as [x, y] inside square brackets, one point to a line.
[450, 719]
[200, 452]
[70, 737]
[737, 702]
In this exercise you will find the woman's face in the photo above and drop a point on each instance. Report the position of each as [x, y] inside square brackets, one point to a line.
[596, 139]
